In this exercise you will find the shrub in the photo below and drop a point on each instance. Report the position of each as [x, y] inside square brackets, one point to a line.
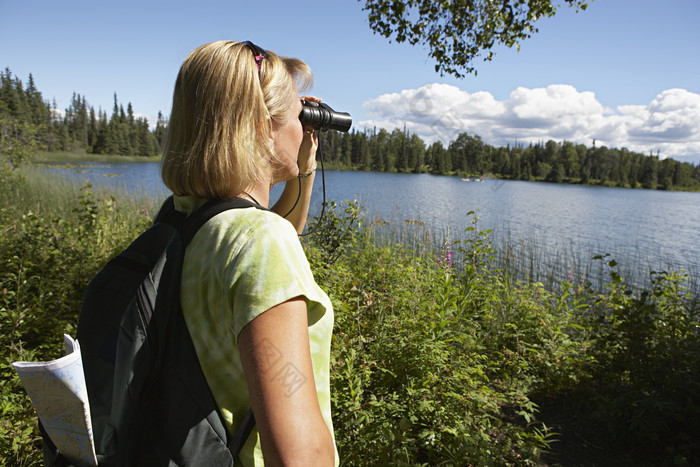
[647, 382]
[422, 373]
[45, 264]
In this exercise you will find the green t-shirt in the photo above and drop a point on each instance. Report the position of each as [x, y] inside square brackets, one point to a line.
[240, 264]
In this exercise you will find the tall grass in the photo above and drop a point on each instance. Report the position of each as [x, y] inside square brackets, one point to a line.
[54, 237]
[526, 259]
[55, 196]
[444, 357]
[614, 366]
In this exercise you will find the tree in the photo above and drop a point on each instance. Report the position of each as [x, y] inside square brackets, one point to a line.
[557, 173]
[17, 132]
[17, 141]
[501, 161]
[416, 154]
[161, 130]
[649, 173]
[458, 31]
[346, 149]
[570, 159]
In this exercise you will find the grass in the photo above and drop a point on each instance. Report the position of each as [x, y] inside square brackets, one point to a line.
[551, 369]
[525, 259]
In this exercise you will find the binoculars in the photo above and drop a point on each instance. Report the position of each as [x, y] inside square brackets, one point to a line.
[320, 116]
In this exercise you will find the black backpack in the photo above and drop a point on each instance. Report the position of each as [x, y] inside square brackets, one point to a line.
[149, 401]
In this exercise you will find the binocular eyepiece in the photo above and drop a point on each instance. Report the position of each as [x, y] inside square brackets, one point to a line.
[320, 116]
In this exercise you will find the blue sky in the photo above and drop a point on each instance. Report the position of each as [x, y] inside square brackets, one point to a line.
[625, 73]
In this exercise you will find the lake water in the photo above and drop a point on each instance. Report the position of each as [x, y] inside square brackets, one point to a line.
[544, 224]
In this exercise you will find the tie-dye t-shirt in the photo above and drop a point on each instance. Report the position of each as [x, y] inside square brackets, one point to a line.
[241, 263]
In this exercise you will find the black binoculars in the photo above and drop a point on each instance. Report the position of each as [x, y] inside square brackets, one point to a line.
[320, 116]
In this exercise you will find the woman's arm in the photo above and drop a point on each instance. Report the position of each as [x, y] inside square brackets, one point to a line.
[276, 359]
[306, 160]
[299, 214]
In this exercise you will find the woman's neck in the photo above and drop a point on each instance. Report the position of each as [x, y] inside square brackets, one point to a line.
[258, 193]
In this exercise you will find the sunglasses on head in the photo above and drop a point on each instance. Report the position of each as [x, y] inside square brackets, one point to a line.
[258, 52]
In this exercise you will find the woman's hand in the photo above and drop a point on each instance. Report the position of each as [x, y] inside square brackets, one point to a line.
[306, 160]
[293, 204]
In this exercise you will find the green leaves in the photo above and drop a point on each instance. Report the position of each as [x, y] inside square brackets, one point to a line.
[417, 378]
[335, 232]
[457, 32]
[455, 368]
[644, 343]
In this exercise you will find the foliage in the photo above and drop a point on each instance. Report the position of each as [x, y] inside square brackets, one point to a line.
[334, 233]
[456, 32]
[16, 143]
[445, 360]
[647, 345]
[433, 362]
[439, 358]
[45, 264]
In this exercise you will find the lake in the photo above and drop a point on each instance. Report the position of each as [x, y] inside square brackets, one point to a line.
[555, 229]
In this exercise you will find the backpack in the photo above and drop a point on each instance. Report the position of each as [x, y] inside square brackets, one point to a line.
[149, 400]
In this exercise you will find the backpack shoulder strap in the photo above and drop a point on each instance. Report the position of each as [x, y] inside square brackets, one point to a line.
[238, 440]
[169, 214]
[188, 227]
[197, 219]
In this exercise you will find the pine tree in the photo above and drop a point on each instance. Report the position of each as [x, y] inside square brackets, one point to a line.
[160, 131]
[93, 129]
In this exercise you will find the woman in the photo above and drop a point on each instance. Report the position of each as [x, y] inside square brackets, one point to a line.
[260, 324]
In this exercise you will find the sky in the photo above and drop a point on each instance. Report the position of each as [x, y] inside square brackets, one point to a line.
[623, 73]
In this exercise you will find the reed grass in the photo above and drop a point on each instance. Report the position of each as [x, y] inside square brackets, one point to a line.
[525, 259]
[56, 196]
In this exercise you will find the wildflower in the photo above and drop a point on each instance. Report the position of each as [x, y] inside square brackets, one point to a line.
[445, 260]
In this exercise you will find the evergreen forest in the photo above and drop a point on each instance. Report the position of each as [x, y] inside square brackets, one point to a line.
[469, 156]
[26, 118]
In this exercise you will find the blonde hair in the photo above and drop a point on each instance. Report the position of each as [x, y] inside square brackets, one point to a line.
[218, 142]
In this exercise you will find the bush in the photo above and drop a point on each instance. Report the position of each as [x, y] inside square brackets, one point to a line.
[430, 366]
[46, 262]
[646, 386]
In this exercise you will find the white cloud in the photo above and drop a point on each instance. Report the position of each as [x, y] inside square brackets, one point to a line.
[669, 124]
[151, 119]
[57, 114]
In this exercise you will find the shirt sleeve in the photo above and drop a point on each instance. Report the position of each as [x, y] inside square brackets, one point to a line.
[269, 269]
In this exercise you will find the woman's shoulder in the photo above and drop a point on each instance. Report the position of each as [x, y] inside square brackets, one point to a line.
[238, 219]
[260, 222]
[248, 230]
